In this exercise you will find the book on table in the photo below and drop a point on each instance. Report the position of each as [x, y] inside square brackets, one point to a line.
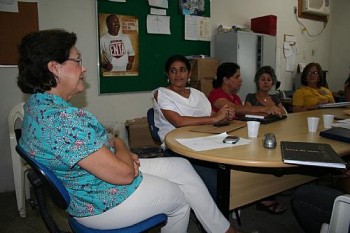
[311, 153]
[262, 118]
[337, 133]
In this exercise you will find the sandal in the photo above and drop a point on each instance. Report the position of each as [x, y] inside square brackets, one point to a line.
[273, 208]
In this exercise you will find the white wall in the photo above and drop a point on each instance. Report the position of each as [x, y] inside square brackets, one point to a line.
[113, 110]
[239, 13]
[340, 48]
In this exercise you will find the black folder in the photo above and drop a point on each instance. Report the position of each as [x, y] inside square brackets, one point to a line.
[312, 154]
[337, 133]
[262, 119]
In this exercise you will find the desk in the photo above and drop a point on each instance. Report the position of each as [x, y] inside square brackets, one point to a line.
[249, 173]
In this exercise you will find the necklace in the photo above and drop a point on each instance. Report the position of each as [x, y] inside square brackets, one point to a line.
[263, 98]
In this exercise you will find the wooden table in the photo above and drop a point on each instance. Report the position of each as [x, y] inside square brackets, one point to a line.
[250, 172]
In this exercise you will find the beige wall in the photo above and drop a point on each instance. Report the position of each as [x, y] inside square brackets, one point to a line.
[339, 57]
[113, 110]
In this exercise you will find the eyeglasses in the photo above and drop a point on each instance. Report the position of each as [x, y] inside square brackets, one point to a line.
[175, 71]
[312, 72]
[77, 60]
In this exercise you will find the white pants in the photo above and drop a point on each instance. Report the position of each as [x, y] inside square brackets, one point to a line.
[170, 186]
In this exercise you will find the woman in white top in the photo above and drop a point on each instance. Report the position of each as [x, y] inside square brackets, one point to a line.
[178, 105]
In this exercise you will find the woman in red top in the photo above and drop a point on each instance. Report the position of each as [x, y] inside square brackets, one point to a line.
[227, 83]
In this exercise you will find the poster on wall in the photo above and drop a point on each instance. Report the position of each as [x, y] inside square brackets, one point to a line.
[192, 7]
[118, 45]
[150, 50]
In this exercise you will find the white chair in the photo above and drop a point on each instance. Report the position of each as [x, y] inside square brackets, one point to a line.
[340, 220]
[19, 166]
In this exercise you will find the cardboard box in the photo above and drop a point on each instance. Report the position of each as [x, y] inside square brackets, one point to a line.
[205, 85]
[203, 68]
[139, 134]
[265, 24]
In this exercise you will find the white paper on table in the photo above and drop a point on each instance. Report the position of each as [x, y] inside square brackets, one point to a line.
[210, 142]
[158, 24]
[342, 123]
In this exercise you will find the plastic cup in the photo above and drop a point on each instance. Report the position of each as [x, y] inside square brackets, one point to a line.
[253, 128]
[312, 124]
[328, 121]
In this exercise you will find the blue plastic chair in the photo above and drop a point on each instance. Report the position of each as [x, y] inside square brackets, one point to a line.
[41, 176]
[152, 127]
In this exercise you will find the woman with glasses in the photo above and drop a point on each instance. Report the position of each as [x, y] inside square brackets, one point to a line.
[311, 94]
[109, 186]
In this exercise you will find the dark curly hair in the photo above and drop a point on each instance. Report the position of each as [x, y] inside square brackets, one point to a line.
[176, 58]
[306, 70]
[265, 70]
[36, 50]
[227, 69]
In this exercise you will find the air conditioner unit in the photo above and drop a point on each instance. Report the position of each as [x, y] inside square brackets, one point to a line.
[316, 7]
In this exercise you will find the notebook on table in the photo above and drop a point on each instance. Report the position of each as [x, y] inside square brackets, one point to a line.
[311, 153]
[335, 105]
[337, 133]
[263, 119]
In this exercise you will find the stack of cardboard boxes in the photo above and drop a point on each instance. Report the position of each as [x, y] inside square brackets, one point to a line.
[140, 139]
[203, 73]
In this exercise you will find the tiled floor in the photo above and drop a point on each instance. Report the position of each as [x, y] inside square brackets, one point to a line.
[253, 220]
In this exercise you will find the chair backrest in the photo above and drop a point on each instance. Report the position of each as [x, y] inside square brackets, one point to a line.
[152, 127]
[340, 219]
[58, 192]
[15, 120]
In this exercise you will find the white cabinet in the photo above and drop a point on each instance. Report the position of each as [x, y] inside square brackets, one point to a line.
[249, 50]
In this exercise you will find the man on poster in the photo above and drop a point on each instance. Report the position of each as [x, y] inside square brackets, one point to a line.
[117, 53]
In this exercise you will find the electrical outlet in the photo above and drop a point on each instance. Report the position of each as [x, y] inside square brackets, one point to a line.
[295, 10]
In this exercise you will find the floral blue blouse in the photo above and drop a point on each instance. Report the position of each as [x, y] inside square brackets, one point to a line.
[59, 135]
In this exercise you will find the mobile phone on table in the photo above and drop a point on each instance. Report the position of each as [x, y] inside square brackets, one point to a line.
[231, 139]
[221, 123]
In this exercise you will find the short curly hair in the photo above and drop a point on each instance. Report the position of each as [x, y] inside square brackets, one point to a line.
[265, 70]
[306, 70]
[36, 50]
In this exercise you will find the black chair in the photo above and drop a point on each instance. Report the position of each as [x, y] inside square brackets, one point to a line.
[152, 127]
[40, 177]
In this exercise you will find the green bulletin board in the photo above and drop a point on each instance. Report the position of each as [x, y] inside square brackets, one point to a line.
[153, 49]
